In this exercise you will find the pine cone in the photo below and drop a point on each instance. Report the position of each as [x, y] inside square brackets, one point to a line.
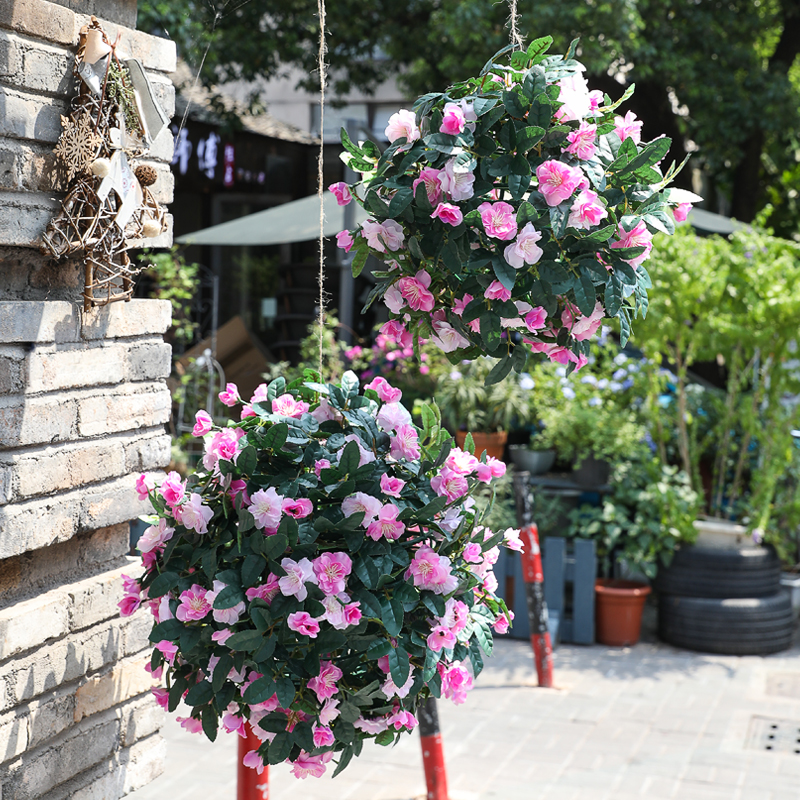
[145, 174]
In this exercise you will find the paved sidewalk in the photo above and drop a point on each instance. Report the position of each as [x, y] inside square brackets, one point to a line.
[644, 722]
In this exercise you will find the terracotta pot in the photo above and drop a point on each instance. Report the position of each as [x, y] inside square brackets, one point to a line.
[493, 443]
[618, 611]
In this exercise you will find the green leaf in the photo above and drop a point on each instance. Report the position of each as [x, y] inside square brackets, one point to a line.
[279, 748]
[246, 520]
[399, 665]
[247, 459]
[538, 48]
[584, 294]
[392, 615]
[364, 567]
[526, 213]
[275, 438]
[252, 569]
[247, 641]
[228, 598]
[504, 272]
[516, 105]
[265, 651]
[284, 688]
[378, 649]
[651, 154]
[401, 200]
[601, 235]
[441, 142]
[164, 583]
[329, 640]
[483, 104]
[344, 759]
[469, 444]
[490, 329]
[434, 603]
[348, 463]
[169, 629]
[500, 370]
[529, 137]
[429, 667]
[370, 606]
[628, 93]
[624, 326]
[199, 694]
[210, 721]
[626, 273]
[359, 259]
[484, 639]
[613, 296]
[259, 690]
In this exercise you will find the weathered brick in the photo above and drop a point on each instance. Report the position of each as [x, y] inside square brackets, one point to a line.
[143, 454]
[31, 116]
[25, 421]
[136, 633]
[39, 67]
[145, 763]
[122, 12]
[162, 240]
[148, 361]
[154, 52]
[95, 599]
[123, 410]
[24, 216]
[39, 18]
[13, 735]
[39, 321]
[111, 503]
[12, 364]
[38, 523]
[140, 718]
[35, 774]
[51, 715]
[27, 625]
[51, 368]
[126, 680]
[125, 320]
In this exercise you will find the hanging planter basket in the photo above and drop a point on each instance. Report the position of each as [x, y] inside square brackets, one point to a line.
[322, 573]
[513, 211]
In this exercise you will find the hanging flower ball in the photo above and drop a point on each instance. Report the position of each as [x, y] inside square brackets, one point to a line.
[514, 212]
[323, 572]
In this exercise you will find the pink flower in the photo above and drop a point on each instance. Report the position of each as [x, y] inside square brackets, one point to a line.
[298, 574]
[352, 614]
[457, 181]
[267, 591]
[193, 605]
[396, 332]
[415, 291]
[454, 121]
[405, 444]
[512, 541]
[595, 98]
[372, 725]
[580, 327]
[232, 722]
[329, 711]
[401, 719]
[222, 444]
[323, 735]
[305, 764]
[472, 553]
[161, 695]
[496, 291]
[499, 220]
[380, 235]
[332, 570]
[132, 599]
[145, 483]
[227, 616]
[628, 126]
[252, 760]
[582, 141]
[190, 724]
[639, 236]
[230, 396]
[447, 338]
[524, 250]
[320, 465]
[220, 637]
[386, 525]
[155, 536]
[203, 423]
[342, 192]
[302, 622]
[501, 624]
[403, 124]
[344, 241]
[433, 183]
[449, 484]
[287, 406]
[448, 213]
[557, 181]
[587, 211]
[461, 462]
[172, 489]
[392, 416]
[167, 648]
[266, 506]
[324, 685]
[681, 212]
[431, 571]
[386, 392]
[441, 638]
[574, 95]
[361, 502]
[459, 306]
[456, 615]
[536, 319]
[393, 299]
[299, 509]
[456, 682]
[194, 515]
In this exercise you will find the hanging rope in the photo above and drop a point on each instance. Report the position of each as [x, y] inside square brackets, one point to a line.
[513, 18]
[320, 164]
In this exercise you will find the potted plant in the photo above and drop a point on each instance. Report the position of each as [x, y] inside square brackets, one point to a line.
[730, 309]
[535, 457]
[487, 412]
[638, 527]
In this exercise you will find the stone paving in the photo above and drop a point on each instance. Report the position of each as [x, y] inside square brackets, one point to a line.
[649, 721]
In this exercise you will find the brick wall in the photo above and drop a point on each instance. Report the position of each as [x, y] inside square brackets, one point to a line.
[83, 404]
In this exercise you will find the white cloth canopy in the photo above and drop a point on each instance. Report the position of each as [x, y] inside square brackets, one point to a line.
[297, 221]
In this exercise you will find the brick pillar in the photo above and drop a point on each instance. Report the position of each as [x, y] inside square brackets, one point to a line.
[83, 404]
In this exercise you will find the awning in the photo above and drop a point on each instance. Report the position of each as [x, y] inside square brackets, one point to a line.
[297, 221]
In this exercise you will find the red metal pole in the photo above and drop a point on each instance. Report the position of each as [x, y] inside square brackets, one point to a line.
[250, 785]
[432, 751]
[533, 575]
